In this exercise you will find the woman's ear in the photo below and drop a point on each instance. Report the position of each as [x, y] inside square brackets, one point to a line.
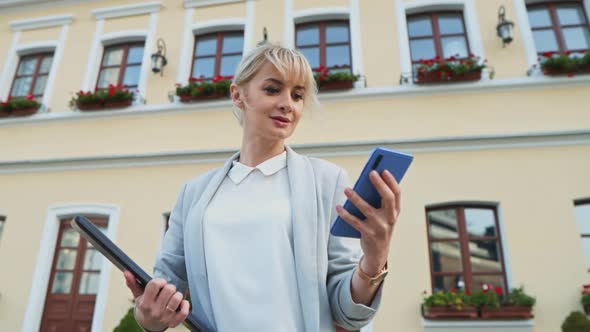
[236, 95]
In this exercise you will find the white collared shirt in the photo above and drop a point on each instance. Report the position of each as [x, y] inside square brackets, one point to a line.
[249, 255]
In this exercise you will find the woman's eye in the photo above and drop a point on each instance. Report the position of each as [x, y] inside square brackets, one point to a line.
[271, 90]
[298, 96]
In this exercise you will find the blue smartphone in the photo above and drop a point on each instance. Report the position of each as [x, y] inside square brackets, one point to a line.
[381, 159]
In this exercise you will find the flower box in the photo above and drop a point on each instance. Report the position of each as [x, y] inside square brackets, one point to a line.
[99, 100]
[199, 89]
[451, 312]
[117, 104]
[560, 64]
[15, 107]
[89, 107]
[335, 85]
[507, 312]
[444, 77]
[24, 111]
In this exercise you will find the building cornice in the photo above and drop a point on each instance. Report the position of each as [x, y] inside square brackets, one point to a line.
[421, 145]
[205, 3]
[41, 22]
[128, 10]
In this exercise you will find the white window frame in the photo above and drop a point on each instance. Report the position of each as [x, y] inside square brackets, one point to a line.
[17, 49]
[586, 203]
[526, 33]
[350, 13]
[38, 290]
[102, 39]
[467, 7]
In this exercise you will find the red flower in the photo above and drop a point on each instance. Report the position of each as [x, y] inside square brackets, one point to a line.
[570, 75]
[192, 79]
[498, 290]
[199, 90]
[111, 90]
[230, 77]
[547, 54]
[468, 292]
[568, 52]
[453, 290]
[586, 286]
[217, 78]
[30, 97]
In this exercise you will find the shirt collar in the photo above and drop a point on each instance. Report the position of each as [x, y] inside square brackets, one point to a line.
[239, 171]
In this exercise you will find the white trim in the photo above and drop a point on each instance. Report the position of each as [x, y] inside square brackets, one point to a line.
[128, 10]
[57, 56]
[505, 251]
[204, 3]
[38, 290]
[249, 33]
[41, 22]
[469, 15]
[93, 55]
[225, 24]
[526, 34]
[184, 60]
[513, 84]
[354, 23]
[427, 145]
[111, 38]
[40, 46]
[288, 25]
[9, 67]
[473, 325]
[320, 14]
[146, 68]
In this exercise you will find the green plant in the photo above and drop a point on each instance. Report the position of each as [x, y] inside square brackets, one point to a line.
[585, 295]
[452, 298]
[450, 67]
[565, 62]
[518, 297]
[114, 93]
[489, 296]
[218, 85]
[576, 322]
[128, 323]
[323, 75]
[12, 104]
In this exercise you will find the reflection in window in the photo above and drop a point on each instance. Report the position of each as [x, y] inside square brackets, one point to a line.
[121, 65]
[325, 44]
[559, 27]
[31, 75]
[465, 247]
[217, 54]
[582, 210]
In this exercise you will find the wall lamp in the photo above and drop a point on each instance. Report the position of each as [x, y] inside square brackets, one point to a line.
[505, 28]
[159, 60]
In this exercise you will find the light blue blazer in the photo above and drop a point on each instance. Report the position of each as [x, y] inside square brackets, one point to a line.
[325, 264]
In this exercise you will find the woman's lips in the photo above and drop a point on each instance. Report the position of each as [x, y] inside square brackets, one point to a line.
[280, 121]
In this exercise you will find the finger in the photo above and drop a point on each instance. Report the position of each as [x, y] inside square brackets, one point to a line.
[152, 289]
[366, 209]
[164, 297]
[174, 303]
[182, 314]
[355, 222]
[131, 283]
[395, 187]
[387, 197]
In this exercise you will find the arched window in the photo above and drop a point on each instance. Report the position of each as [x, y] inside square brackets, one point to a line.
[217, 53]
[31, 75]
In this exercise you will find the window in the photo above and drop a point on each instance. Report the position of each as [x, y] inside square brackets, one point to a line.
[559, 26]
[216, 54]
[434, 35]
[465, 247]
[325, 44]
[121, 65]
[583, 221]
[31, 75]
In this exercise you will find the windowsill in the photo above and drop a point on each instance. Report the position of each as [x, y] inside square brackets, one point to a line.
[476, 325]
[352, 94]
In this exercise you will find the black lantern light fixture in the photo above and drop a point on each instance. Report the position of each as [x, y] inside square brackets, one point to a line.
[159, 58]
[505, 28]
[264, 37]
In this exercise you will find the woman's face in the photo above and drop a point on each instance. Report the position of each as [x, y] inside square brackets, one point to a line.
[271, 104]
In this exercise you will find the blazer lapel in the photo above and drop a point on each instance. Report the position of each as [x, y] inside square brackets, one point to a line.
[305, 235]
[201, 265]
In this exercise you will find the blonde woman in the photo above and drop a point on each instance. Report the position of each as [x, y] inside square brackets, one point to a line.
[252, 239]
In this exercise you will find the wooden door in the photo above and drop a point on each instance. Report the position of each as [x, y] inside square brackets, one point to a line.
[73, 283]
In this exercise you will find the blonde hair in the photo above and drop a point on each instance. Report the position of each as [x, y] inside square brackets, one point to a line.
[289, 62]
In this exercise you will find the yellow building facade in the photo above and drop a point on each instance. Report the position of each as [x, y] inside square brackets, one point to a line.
[498, 191]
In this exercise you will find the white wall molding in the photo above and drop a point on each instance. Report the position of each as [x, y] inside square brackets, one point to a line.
[471, 25]
[37, 295]
[321, 14]
[34, 47]
[41, 22]
[249, 33]
[356, 43]
[515, 84]
[526, 34]
[111, 38]
[128, 10]
[525, 140]
[204, 3]
[184, 61]
[226, 24]
[91, 64]
[57, 56]
[146, 63]
[432, 325]
[288, 25]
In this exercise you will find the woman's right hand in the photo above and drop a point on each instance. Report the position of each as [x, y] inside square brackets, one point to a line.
[159, 305]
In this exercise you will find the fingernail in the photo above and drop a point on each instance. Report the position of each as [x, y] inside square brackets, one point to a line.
[387, 172]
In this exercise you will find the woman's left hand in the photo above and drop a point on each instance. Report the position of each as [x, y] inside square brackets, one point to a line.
[377, 229]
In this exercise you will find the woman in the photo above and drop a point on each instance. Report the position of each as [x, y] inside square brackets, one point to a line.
[251, 239]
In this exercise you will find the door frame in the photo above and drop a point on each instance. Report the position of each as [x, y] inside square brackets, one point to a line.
[37, 296]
